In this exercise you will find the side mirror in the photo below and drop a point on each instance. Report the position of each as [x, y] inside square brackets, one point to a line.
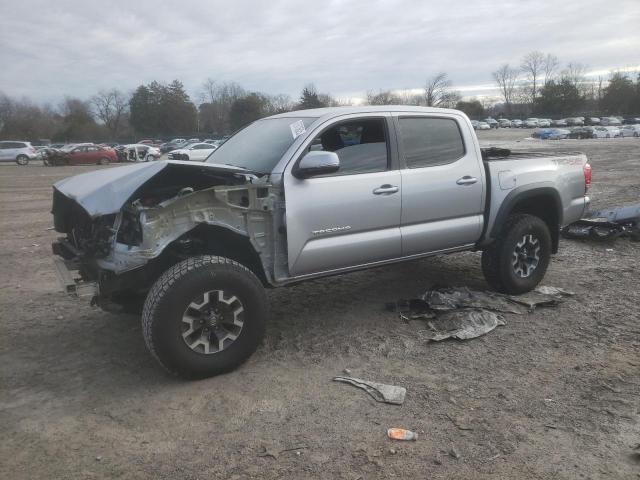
[317, 163]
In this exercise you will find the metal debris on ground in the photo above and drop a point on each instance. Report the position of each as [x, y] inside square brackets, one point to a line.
[607, 224]
[447, 299]
[462, 313]
[541, 296]
[379, 391]
[463, 324]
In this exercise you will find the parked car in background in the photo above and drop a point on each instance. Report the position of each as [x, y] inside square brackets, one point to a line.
[140, 152]
[474, 124]
[615, 131]
[194, 151]
[531, 123]
[83, 154]
[544, 123]
[559, 123]
[610, 121]
[194, 140]
[516, 123]
[492, 122]
[631, 121]
[504, 123]
[153, 142]
[592, 121]
[483, 126]
[16, 151]
[601, 132]
[630, 131]
[581, 133]
[557, 134]
[540, 132]
[57, 145]
[173, 145]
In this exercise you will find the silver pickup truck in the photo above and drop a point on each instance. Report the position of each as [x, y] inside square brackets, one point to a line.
[297, 196]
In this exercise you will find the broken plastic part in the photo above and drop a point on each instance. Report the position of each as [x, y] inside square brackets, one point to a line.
[379, 391]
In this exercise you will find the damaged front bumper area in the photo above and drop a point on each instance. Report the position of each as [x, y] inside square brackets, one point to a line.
[116, 256]
[69, 277]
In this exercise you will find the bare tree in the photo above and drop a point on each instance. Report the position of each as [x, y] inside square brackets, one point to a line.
[551, 65]
[438, 92]
[533, 65]
[383, 97]
[506, 78]
[280, 103]
[209, 90]
[575, 73]
[111, 108]
[600, 89]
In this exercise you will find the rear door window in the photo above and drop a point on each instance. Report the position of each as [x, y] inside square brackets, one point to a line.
[427, 142]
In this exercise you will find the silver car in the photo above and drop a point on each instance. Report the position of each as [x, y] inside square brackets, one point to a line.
[19, 152]
[630, 131]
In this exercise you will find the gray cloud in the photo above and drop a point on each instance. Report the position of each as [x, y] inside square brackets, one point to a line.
[51, 49]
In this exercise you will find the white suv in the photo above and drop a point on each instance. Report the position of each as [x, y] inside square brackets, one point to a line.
[19, 152]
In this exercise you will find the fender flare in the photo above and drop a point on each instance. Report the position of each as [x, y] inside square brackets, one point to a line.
[544, 189]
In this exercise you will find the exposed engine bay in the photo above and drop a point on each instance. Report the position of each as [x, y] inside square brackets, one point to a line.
[177, 212]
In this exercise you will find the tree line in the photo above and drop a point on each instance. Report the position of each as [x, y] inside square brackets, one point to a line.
[159, 110]
[540, 86]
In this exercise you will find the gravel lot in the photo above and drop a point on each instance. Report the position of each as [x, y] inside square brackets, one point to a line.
[554, 394]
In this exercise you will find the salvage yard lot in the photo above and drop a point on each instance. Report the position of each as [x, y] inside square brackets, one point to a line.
[553, 394]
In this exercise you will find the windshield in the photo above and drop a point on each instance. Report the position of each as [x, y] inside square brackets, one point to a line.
[259, 146]
[68, 148]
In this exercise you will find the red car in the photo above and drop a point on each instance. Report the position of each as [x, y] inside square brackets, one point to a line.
[84, 154]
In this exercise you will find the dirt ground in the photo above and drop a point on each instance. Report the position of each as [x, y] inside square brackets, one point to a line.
[551, 395]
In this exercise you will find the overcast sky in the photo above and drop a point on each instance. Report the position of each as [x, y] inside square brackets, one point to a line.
[49, 49]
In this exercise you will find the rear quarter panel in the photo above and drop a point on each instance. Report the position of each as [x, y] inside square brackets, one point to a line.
[562, 172]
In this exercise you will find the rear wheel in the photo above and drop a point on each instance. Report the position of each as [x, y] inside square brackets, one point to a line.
[22, 160]
[204, 316]
[104, 161]
[518, 259]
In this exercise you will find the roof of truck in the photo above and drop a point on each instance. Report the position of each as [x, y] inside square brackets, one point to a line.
[335, 111]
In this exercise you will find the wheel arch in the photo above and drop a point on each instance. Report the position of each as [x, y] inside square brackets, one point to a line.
[220, 241]
[543, 201]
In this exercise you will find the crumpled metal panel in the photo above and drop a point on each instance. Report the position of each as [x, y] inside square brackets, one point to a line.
[105, 191]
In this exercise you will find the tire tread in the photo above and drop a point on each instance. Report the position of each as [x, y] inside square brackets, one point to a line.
[165, 282]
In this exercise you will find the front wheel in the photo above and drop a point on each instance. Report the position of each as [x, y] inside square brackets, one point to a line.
[204, 316]
[518, 259]
[22, 160]
[104, 161]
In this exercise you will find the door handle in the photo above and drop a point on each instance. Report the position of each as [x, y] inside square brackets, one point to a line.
[466, 180]
[385, 189]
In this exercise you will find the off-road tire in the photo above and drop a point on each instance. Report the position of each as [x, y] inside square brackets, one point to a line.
[497, 258]
[22, 160]
[171, 294]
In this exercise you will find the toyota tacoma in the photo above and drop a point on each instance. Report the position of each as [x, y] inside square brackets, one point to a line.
[297, 196]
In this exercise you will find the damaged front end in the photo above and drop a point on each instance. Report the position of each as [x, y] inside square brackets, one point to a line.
[132, 225]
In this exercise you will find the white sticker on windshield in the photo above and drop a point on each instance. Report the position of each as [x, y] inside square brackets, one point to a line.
[297, 129]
